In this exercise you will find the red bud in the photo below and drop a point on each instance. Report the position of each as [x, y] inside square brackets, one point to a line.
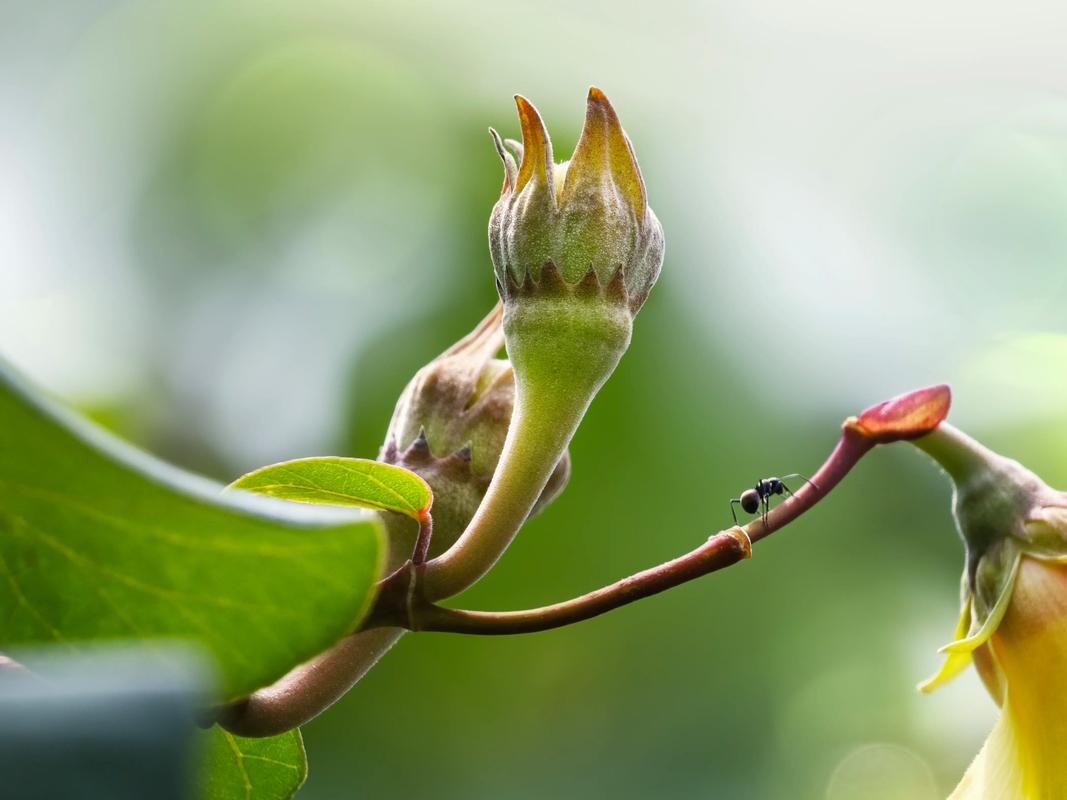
[907, 416]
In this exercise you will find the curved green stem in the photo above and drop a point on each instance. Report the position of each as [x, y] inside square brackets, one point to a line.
[994, 495]
[308, 690]
[537, 438]
[563, 348]
[958, 454]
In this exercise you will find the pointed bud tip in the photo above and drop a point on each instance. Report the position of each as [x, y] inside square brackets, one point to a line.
[604, 147]
[907, 416]
[510, 168]
[528, 114]
[421, 445]
[598, 98]
[536, 147]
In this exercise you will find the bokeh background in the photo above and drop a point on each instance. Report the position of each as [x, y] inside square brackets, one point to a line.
[231, 232]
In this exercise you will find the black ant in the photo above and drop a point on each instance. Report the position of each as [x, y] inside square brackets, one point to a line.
[751, 500]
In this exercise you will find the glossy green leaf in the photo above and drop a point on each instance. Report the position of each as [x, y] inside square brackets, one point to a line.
[275, 767]
[343, 481]
[236, 768]
[100, 541]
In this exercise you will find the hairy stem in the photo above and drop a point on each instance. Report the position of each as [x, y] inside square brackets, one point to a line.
[563, 349]
[957, 453]
[535, 443]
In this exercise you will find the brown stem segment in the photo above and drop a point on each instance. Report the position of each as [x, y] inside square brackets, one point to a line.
[401, 602]
[851, 447]
[422, 544]
[402, 597]
[719, 551]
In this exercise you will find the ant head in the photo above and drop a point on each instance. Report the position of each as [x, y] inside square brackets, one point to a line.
[750, 500]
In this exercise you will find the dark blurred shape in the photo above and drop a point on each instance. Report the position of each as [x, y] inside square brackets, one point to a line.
[113, 724]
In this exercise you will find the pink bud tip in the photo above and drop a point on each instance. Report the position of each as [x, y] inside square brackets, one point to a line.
[907, 416]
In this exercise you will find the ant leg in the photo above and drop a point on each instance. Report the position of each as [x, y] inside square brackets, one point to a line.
[766, 508]
[786, 488]
[734, 502]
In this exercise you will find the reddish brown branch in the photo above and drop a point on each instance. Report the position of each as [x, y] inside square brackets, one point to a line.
[422, 544]
[850, 448]
[401, 604]
[719, 551]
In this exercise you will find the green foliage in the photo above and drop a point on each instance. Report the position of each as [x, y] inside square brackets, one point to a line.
[274, 768]
[98, 541]
[252, 769]
[342, 481]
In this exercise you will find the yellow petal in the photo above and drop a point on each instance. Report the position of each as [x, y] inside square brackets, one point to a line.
[1031, 649]
[996, 772]
[979, 637]
[1023, 758]
[954, 663]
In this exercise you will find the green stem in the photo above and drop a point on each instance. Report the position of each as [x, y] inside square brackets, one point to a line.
[537, 438]
[563, 347]
[994, 495]
[958, 454]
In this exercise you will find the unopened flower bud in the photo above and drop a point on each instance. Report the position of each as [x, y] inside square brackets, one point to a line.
[586, 220]
[575, 250]
[449, 427]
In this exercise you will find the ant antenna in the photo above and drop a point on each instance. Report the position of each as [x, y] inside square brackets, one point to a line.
[798, 475]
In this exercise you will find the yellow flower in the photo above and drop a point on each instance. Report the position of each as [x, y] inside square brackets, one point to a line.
[1013, 623]
[1024, 664]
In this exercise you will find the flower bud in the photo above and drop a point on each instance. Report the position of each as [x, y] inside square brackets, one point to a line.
[449, 427]
[585, 220]
[1004, 512]
[575, 250]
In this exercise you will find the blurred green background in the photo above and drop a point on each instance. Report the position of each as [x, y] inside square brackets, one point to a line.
[233, 231]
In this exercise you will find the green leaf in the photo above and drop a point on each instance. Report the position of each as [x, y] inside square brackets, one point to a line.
[100, 541]
[343, 481]
[275, 767]
[236, 768]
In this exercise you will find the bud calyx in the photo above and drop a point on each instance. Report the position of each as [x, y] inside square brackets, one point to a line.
[589, 217]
